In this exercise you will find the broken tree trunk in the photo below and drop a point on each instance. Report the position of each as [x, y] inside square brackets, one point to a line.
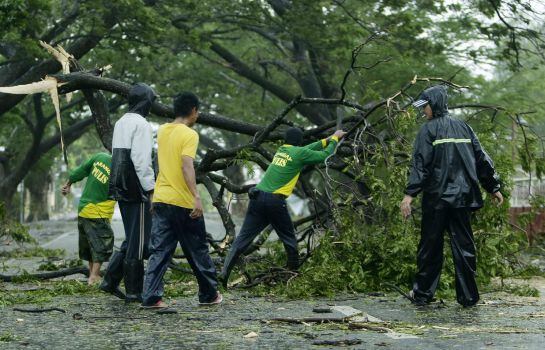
[46, 275]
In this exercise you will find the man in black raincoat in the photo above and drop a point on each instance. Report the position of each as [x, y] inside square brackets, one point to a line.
[448, 164]
[131, 184]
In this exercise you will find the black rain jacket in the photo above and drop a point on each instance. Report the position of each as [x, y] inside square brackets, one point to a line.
[448, 161]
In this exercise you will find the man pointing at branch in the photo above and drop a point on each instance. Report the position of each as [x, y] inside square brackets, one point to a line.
[448, 164]
[268, 198]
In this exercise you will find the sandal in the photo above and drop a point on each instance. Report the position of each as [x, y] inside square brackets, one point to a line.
[158, 305]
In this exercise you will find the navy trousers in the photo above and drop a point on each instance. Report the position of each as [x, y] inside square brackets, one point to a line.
[266, 209]
[457, 222]
[172, 224]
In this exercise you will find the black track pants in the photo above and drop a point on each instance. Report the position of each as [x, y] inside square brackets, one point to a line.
[430, 254]
[137, 224]
[264, 210]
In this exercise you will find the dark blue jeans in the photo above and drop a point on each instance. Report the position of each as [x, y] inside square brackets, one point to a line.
[171, 224]
[264, 210]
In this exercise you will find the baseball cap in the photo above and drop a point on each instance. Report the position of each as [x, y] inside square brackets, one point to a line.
[420, 103]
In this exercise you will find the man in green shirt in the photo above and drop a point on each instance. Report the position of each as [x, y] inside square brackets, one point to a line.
[95, 210]
[268, 198]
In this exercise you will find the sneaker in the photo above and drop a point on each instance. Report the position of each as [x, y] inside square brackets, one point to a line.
[158, 305]
[216, 301]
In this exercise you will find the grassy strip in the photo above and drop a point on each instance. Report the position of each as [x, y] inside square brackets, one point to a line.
[46, 292]
[34, 251]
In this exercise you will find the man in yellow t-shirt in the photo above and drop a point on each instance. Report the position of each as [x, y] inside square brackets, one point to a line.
[177, 208]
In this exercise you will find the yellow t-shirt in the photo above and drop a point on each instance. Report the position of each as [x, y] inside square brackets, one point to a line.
[174, 141]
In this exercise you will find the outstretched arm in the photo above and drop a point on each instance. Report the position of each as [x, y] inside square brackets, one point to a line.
[310, 156]
[318, 145]
[78, 174]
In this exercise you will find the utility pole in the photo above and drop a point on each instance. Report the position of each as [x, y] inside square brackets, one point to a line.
[22, 206]
[513, 136]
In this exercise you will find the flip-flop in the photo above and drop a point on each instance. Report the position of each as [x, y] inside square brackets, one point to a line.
[160, 305]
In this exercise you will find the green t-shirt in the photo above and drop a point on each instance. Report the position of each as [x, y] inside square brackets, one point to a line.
[94, 202]
[283, 172]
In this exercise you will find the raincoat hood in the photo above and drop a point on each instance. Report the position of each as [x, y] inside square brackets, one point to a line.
[437, 98]
[141, 98]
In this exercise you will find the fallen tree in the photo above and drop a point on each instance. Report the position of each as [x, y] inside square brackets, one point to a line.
[353, 195]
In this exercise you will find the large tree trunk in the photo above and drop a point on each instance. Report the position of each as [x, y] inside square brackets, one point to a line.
[7, 200]
[38, 187]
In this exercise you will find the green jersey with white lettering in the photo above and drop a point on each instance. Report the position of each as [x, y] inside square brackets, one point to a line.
[94, 202]
[283, 172]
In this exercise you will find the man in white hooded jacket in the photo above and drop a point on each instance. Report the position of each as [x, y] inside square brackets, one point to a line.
[131, 184]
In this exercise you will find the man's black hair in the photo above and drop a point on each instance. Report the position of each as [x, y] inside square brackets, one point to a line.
[184, 103]
[294, 136]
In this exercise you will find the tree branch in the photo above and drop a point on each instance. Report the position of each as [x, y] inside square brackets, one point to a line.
[47, 275]
[231, 187]
[88, 80]
[217, 201]
[34, 73]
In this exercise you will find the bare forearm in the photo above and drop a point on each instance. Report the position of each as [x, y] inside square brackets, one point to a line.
[190, 179]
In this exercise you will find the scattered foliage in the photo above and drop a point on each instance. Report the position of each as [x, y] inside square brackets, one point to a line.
[45, 292]
[12, 231]
[34, 251]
